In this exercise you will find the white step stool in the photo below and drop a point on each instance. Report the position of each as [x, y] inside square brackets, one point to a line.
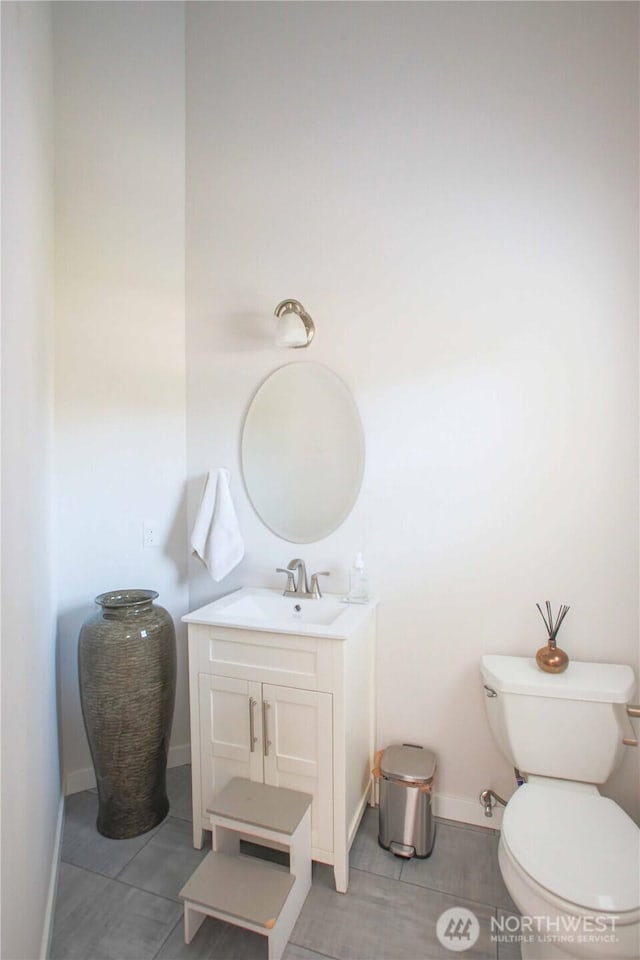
[247, 892]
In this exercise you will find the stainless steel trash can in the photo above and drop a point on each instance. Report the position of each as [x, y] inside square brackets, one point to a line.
[406, 776]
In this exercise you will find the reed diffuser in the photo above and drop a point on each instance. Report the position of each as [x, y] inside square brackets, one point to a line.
[551, 658]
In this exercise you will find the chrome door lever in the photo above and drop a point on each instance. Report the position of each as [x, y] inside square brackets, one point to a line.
[252, 729]
[266, 706]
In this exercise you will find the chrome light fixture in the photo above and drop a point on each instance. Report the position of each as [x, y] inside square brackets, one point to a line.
[295, 326]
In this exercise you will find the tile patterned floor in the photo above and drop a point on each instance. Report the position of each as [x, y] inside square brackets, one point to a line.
[118, 899]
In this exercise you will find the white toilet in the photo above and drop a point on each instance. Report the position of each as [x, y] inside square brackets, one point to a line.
[570, 858]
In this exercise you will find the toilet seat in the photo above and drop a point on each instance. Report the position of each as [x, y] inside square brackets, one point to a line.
[580, 847]
[555, 916]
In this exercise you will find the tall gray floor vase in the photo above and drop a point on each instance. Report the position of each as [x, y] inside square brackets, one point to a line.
[127, 671]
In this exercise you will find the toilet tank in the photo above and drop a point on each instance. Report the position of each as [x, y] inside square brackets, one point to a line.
[568, 725]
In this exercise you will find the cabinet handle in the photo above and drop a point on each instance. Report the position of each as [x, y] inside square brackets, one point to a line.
[252, 730]
[267, 743]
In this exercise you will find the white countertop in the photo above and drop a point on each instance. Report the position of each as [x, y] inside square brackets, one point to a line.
[259, 608]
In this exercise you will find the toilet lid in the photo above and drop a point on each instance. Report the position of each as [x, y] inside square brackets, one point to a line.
[580, 846]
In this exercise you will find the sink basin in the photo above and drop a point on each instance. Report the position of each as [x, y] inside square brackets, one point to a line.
[256, 608]
[272, 608]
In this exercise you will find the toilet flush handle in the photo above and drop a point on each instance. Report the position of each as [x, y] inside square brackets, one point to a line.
[633, 710]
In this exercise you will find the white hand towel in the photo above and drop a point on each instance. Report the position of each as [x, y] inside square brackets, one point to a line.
[216, 536]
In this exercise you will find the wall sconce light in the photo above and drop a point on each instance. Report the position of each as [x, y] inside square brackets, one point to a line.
[295, 326]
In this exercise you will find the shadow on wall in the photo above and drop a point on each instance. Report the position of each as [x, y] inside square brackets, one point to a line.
[240, 332]
[174, 548]
[73, 740]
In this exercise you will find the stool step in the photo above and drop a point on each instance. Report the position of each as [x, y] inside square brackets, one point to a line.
[261, 805]
[241, 888]
[259, 896]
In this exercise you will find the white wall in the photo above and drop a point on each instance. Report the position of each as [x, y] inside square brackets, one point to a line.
[451, 190]
[120, 327]
[31, 798]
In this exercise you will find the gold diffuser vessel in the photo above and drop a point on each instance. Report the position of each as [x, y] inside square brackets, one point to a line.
[551, 658]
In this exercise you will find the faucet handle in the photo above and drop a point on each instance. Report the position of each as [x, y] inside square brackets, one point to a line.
[314, 589]
[291, 585]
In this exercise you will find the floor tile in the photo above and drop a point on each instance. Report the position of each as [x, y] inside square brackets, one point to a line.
[103, 919]
[463, 863]
[167, 861]
[367, 854]
[459, 825]
[382, 918]
[179, 791]
[301, 953]
[83, 846]
[117, 899]
[508, 944]
[75, 886]
[213, 941]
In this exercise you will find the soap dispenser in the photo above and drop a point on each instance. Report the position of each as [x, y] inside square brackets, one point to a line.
[358, 584]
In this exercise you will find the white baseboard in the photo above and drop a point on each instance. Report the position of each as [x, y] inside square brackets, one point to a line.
[47, 928]
[450, 808]
[77, 780]
[465, 811]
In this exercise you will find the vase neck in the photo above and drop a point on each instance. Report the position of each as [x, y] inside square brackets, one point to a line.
[119, 604]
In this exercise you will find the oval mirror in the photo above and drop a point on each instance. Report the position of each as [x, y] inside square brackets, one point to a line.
[303, 452]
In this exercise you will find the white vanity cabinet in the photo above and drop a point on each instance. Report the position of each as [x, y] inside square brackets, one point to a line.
[292, 710]
[274, 734]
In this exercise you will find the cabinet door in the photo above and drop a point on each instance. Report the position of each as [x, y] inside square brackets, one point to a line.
[298, 747]
[229, 714]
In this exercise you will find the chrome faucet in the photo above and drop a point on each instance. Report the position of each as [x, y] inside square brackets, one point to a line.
[299, 587]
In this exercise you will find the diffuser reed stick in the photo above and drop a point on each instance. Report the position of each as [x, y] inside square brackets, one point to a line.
[551, 658]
